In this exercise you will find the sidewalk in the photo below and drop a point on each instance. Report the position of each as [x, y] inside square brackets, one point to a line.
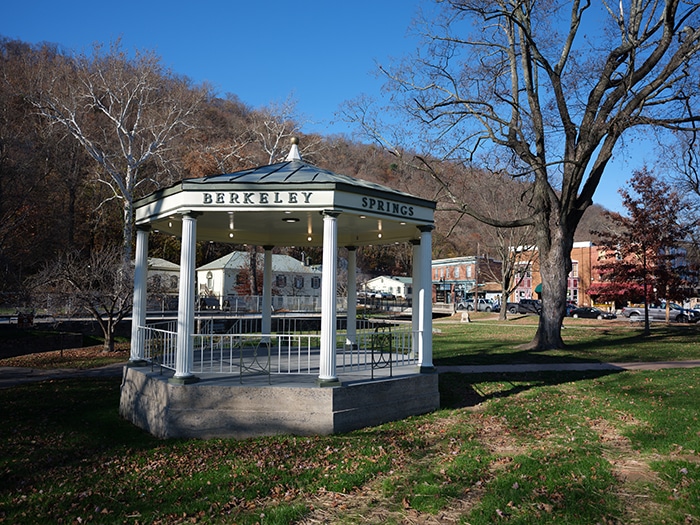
[13, 376]
[565, 367]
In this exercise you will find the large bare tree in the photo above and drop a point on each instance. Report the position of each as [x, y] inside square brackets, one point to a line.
[99, 285]
[548, 88]
[125, 111]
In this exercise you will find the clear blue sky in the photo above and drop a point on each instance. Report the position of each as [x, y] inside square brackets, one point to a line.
[320, 52]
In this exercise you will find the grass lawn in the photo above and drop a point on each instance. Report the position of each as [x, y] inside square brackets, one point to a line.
[576, 448]
[487, 341]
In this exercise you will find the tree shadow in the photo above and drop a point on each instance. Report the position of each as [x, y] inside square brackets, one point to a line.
[458, 390]
[494, 352]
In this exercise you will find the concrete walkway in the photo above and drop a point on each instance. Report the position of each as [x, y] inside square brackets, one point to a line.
[13, 376]
[565, 367]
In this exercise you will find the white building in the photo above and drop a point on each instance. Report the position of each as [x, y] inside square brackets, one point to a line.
[226, 279]
[163, 284]
[397, 286]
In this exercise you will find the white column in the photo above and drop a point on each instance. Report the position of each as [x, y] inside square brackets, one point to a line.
[425, 350]
[267, 294]
[327, 375]
[138, 312]
[351, 337]
[186, 302]
[415, 297]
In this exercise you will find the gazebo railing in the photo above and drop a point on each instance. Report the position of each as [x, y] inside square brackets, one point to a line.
[244, 353]
[160, 346]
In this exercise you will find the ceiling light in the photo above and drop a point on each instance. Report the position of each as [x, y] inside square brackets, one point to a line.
[290, 220]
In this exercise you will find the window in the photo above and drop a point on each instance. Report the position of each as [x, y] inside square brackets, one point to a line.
[574, 268]
[298, 281]
[315, 283]
[281, 281]
[456, 272]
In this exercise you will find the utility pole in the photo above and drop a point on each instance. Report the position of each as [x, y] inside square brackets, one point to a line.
[476, 281]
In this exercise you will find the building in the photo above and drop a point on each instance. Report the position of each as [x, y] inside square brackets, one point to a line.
[163, 284]
[456, 278]
[400, 287]
[584, 256]
[227, 278]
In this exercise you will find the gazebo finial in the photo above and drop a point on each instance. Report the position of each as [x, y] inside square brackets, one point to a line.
[294, 153]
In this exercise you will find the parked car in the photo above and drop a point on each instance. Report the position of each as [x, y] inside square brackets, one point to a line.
[657, 312]
[497, 306]
[591, 312]
[512, 308]
[485, 305]
[529, 306]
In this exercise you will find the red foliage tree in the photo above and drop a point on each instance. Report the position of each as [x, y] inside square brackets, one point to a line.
[643, 261]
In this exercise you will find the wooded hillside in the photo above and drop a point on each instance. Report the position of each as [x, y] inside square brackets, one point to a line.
[72, 152]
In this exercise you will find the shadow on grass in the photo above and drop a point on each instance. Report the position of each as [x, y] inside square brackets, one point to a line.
[468, 390]
[594, 346]
[59, 424]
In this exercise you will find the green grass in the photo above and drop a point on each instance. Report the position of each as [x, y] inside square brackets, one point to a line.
[490, 342]
[542, 448]
[539, 448]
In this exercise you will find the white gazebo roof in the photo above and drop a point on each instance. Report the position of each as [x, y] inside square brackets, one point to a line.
[282, 205]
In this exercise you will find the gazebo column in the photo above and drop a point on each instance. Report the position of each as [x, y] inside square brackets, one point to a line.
[186, 303]
[351, 333]
[138, 312]
[327, 373]
[415, 297]
[267, 294]
[425, 348]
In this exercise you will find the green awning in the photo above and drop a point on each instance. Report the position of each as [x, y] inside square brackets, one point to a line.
[538, 288]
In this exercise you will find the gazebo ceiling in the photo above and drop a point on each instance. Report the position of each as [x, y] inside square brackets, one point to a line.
[283, 205]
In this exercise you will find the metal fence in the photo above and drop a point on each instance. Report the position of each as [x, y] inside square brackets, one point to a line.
[243, 352]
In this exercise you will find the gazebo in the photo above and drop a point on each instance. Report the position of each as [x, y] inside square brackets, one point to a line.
[255, 381]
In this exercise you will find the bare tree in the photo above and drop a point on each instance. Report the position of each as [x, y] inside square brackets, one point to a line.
[497, 196]
[99, 284]
[522, 83]
[124, 111]
[273, 126]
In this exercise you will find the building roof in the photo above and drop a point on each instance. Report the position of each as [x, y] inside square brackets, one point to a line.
[403, 280]
[155, 263]
[284, 204]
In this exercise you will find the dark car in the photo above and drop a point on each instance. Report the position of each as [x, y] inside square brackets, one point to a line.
[529, 306]
[591, 312]
[512, 308]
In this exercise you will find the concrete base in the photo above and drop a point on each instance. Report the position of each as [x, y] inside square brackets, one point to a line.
[224, 408]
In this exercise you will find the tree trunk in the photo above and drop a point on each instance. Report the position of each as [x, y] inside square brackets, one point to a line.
[108, 327]
[503, 313]
[555, 265]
